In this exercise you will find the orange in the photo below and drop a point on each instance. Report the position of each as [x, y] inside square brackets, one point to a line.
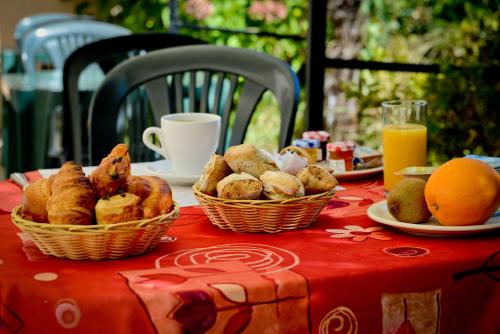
[463, 191]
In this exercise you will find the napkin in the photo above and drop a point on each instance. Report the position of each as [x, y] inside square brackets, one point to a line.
[492, 161]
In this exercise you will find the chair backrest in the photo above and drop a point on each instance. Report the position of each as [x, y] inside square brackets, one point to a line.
[106, 53]
[32, 22]
[223, 71]
[60, 39]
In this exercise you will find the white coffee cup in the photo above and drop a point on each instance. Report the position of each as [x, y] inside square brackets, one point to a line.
[188, 140]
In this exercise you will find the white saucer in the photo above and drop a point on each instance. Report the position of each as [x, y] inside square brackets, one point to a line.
[379, 213]
[161, 168]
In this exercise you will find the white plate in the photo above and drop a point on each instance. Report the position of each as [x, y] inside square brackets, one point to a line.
[356, 174]
[379, 213]
[161, 168]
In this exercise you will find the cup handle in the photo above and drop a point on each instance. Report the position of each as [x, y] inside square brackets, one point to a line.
[146, 135]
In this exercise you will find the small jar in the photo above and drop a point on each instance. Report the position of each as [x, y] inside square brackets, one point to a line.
[323, 137]
[340, 155]
[312, 146]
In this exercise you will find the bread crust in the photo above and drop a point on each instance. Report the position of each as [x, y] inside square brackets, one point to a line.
[280, 185]
[34, 201]
[119, 208]
[316, 179]
[214, 171]
[72, 198]
[249, 159]
[155, 193]
[112, 173]
[239, 186]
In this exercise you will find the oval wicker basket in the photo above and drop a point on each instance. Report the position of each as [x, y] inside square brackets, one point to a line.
[96, 242]
[263, 215]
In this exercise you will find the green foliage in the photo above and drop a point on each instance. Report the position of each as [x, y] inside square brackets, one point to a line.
[461, 36]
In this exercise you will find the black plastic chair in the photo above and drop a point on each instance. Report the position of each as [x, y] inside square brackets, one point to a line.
[224, 70]
[106, 53]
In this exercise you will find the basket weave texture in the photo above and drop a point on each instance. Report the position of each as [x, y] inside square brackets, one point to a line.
[263, 215]
[96, 242]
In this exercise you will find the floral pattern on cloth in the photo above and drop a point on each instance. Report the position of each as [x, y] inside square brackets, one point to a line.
[358, 233]
[264, 259]
[354, 202]
[222, 297]
[339, 320]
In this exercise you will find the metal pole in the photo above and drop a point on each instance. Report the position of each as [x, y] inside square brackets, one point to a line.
[315, 64]
[174, 16]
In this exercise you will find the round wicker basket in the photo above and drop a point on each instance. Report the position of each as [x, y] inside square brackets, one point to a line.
[96, 242]
[263, 215]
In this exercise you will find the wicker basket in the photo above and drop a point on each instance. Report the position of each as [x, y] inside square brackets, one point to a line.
[96, 242]
[263, 215]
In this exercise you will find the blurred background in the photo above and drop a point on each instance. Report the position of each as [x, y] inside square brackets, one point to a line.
[459, 38]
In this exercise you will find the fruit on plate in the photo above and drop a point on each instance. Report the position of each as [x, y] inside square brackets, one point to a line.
[406, 201]
[463, 191]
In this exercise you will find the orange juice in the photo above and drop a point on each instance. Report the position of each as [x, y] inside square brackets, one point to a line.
[404, 145]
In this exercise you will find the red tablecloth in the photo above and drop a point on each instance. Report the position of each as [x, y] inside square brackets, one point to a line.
[344, 274]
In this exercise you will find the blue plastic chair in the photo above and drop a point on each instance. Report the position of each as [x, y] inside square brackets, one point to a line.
[32, 22]
[60, 39]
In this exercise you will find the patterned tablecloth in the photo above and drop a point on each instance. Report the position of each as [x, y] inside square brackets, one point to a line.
[344, 274]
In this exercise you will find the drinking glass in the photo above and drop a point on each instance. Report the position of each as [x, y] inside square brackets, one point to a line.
[404, 137]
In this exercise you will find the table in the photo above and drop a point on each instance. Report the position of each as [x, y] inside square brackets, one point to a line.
[344, 274]
[32, 115]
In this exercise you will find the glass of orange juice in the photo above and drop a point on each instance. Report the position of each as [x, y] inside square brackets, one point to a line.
[404, 137]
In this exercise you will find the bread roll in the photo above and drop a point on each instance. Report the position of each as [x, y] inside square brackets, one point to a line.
[239, 186]
[72, 198]
[154, 192]
[316, 179]
[215, 170]
[35, 199]
[281, 185]
[249, 159]
[119, 208]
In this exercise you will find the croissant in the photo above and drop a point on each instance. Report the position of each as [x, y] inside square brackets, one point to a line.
[35, 199]
[155, 193]
[72, 198]
[112, 173]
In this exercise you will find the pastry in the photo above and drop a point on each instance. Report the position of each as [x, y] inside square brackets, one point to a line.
[281, 185]
[155, 194]
[239, 186]
[35, 199]
[72, 198]
[249, 159]
[215, 170]
[316, 180]
[124, 207]
[112, 173]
